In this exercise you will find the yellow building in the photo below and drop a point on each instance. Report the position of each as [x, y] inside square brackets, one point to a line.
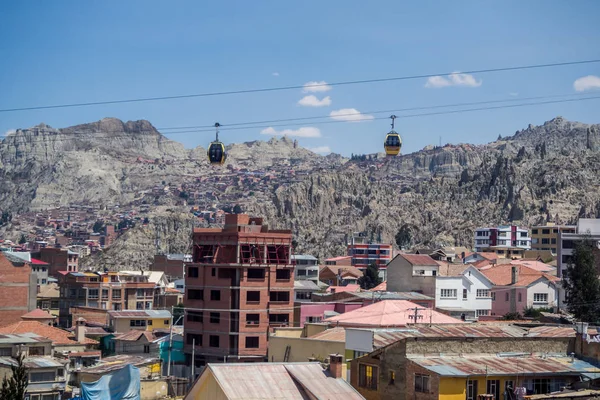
[545, 237]
[124, 321]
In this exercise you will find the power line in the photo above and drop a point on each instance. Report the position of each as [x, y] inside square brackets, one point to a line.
[73, 135]
[380, 112]
[280, 88]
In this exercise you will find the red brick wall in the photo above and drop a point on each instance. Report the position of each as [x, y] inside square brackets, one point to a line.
[14, 291]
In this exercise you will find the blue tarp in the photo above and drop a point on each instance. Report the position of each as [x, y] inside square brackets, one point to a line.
[123, 384]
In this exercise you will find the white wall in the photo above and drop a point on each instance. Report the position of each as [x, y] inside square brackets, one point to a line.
[359, 340]
[542, 286]
[471, 280]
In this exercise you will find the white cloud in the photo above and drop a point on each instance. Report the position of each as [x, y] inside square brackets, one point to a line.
[589, 82]
[454, 79]
[305, 131]
[320, 149]
[350, 115]
[514, 94]
[316, 86]
[313, 101]
[275, 74]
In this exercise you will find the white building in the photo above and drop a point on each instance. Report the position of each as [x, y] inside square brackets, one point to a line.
[507, 241]
[586, 227]
[306, 267]
[463, 291]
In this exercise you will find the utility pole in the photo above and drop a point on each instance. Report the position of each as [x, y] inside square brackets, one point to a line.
[193, 357]
[170, 343]
[417, 309]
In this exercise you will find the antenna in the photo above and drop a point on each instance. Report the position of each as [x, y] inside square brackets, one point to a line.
[393, 117]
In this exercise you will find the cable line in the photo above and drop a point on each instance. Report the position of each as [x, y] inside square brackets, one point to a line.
[280, 88]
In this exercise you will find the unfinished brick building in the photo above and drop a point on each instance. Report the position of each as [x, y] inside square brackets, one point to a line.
[239, 286]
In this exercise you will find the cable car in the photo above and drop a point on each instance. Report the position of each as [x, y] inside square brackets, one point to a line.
[216, 150]
[393, 142]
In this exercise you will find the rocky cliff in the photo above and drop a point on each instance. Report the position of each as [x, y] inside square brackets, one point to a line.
[440, 195]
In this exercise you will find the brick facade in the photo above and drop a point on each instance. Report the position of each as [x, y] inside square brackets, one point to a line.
[18, 289]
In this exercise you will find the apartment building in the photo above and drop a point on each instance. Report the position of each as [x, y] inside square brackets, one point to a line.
[507, 241]
[105, 290]
[306, 267]
[545, 237]
[239, 286]
[364, 252]
[58, 260]
[586, 228]
[18, 288]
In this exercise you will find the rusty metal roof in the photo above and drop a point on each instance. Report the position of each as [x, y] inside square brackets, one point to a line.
[279, 381]
[334, 334]
[507, 365]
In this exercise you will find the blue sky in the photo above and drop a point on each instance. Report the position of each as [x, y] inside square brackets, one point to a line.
[74, 51]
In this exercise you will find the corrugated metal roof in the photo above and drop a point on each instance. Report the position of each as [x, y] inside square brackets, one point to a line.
[140, 313]
[22, 338]
[303, 257]
[112, 363]
[498, 366]
[279, 381]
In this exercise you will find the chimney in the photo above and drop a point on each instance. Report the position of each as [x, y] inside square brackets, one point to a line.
[80, 330]
[335, 365]
[514, 276]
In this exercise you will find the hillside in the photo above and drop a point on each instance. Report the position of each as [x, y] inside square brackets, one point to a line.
[541, 173]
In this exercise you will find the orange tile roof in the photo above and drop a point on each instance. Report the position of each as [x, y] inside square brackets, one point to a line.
[57, 335]
[345, 270]
[419, 259]
[381, 287]
[38, 314]
[501, 275]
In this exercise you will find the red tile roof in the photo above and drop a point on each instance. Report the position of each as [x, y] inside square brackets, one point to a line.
[501, 275]
[419, 259]
[381, 287]
[35, 261]
[38, 314]
[134, 335]
[57, 335]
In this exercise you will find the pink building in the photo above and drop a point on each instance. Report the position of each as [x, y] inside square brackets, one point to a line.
[317, 312]
[517, 287]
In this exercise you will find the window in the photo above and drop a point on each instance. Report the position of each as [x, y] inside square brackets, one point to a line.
[215, 317]
[252, 319]
[534, 231]
[60, 372]
[448, 293]
[137, 322]
[314, 319]
[279, 319]
[192, 272]
[519, 297]
[36, 351]
[116, 294]
[146, 348]
[149, 322]
[282, 297]
[105, 294]
[213, 341]
[421, 383]
[213, 272]
[540, 297]
[480, 313]
[367, 376]
[471, 390]
[190, 337]
[215, 295]
[493, 387]
[282, 274]
[140, 293]
[252, 342]
[553, 241]
[139, 305]
[303, 296]
[92, 293]
[392, 377]
[194, 316]
[6, 352]
[493, 296]
[465, 294]
[166, 322]
[256, 273]
[506, 296]
[483, 293]
[545, 241]
[42, 376]
[545, 231]
[195, 294]
[148, 305]
[523, 234]
[253, 296]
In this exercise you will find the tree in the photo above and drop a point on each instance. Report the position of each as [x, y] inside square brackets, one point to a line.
[98, 225]
[370, 277]
[403, 237]
[22, 239]
[237, 209]
[582, 288]
[178, 312]
[13, 388]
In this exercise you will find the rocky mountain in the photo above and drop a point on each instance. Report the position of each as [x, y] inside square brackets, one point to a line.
[439, 195]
